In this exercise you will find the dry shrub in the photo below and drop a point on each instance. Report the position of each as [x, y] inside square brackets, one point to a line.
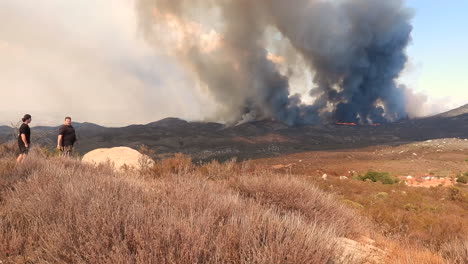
[403, 253]
[428, 217]
[182, 164]
[10, 172]
[7, 177]
[457, 194]
[300, 196]
[219, 171]
[456, 251]
[63, 211]
[8, 150]
[179, 164]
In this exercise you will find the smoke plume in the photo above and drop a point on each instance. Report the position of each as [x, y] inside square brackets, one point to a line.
[244, 53]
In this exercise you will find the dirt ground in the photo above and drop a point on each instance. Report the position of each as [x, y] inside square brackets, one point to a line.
[427, 163]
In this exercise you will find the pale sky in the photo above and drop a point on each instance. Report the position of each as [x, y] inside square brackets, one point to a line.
[87, 59]
[439, 54]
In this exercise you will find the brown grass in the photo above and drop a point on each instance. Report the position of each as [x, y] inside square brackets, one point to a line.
[55, 210]
[427, 217]
[456, 251]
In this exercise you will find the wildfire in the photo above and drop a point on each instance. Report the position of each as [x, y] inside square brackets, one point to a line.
[347, 124]
[354, 124]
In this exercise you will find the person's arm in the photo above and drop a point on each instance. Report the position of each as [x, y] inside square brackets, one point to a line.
[60, 137]
[23, 137]
[59, 141]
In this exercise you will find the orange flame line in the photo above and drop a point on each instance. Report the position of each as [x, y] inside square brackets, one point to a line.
[347, 124]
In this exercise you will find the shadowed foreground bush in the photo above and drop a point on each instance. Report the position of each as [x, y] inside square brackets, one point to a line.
[463, 178]
[62, 211]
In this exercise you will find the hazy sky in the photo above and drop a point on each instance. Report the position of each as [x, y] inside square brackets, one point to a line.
[439, 54]
[87, 59]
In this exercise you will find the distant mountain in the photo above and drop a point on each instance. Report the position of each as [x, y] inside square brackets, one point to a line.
[6, 129]
[170, 122]
[87, 125]
[3, 128]
[207, 141]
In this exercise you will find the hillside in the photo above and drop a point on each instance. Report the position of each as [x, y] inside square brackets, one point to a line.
[63, 211]
[75, 213]
[455, 112]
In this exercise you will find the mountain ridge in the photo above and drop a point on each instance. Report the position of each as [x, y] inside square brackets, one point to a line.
[264, 138]
[455, 112]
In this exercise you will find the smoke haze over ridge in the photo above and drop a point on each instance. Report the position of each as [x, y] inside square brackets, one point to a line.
[226, 61]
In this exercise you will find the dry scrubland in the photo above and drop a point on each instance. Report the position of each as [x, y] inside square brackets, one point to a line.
[54, 210]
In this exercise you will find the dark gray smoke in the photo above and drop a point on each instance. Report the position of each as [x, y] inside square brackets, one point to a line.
[355, 50]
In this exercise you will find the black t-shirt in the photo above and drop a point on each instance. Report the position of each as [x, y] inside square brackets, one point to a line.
[68, 135]
[24, 129]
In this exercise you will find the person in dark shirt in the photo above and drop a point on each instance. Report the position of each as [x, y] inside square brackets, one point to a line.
[66, 138]
[24, 138]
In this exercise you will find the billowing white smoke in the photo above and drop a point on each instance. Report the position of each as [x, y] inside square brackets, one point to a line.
[245, 53]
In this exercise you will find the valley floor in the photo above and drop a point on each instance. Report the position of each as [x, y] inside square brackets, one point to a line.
[441, 159]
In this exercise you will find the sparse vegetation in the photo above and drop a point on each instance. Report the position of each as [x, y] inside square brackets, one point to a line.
[456, 251]
[375, 176]
[421, 217]
[463, 178]
[56, 210]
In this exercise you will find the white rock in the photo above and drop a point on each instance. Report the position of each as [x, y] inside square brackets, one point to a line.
[118, 157]
[324, 177]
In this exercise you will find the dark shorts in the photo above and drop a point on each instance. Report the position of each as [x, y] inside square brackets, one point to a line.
[22, 148]
[67, 150]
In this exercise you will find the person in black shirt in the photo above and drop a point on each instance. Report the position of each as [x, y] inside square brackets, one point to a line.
[66, 138]
[24, 138]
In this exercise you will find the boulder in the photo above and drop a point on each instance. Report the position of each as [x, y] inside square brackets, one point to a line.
[118, 157]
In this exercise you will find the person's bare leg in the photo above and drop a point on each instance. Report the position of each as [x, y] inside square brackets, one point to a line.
[20, 159]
